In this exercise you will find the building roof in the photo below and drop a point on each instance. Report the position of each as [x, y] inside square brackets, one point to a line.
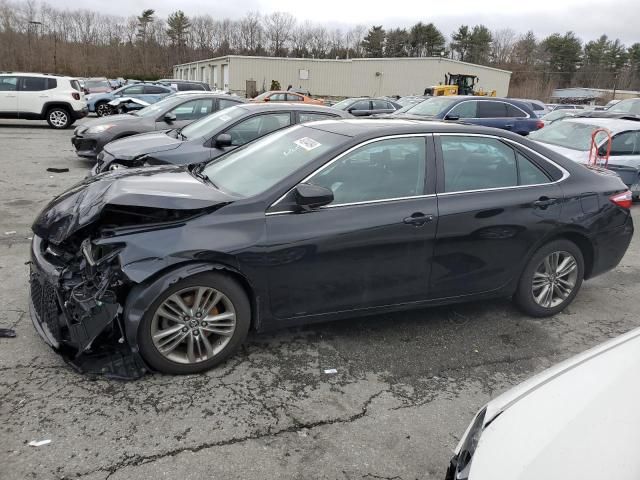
[347, 60]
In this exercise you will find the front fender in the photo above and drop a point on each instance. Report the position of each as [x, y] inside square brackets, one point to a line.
[141, 296]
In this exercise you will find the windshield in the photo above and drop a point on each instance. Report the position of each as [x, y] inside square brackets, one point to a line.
[96, 83]
[626, 106]
[409, 101]
[568, 134]
[156, 108]
[431, 107]
[260, 165]
[206, 126]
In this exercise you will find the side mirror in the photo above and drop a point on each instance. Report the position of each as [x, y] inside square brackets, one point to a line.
[310, 196]
[170, 117]
[266, 99]
[222, 140]
[452, 117]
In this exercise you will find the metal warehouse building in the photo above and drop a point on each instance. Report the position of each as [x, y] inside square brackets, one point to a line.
[337, 78]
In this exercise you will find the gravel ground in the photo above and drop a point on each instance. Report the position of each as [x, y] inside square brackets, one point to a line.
[406, 386]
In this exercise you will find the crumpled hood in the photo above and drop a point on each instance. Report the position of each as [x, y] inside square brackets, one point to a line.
[167, 188]
[131, 147]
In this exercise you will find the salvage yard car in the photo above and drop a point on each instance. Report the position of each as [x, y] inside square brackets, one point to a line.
[168, 268]
[209, 137]
[174, 111]
[503, 113]
[576, 420]
[571, 137]
[288, 96]
[149, 92]
[364, 106]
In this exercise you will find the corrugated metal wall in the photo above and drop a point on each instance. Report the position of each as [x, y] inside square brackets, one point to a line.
[349, 78]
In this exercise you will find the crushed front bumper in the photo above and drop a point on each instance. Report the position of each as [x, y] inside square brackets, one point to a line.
[84, 331]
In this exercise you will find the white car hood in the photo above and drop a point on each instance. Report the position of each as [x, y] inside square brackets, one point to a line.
[577, 420]
[579, 156]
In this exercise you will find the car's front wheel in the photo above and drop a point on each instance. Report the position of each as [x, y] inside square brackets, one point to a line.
[59, 118]
[103, 109]
[551, 279]
[195, 324]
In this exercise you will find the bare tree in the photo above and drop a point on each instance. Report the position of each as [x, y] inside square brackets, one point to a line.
[278, 27]
[502, 46]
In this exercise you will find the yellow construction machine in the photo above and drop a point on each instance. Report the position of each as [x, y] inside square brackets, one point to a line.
[458, 84]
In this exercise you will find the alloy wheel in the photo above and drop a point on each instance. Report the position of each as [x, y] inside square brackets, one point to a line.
[193, 325]
[103, 109]
[554, 279]
[58, 118]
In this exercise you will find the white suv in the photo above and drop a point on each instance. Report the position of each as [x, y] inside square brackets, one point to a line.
[36, 96]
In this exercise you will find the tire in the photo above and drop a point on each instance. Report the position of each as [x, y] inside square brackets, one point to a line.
[532, 299]
[160, 322]
[103, 109]
[59, 118]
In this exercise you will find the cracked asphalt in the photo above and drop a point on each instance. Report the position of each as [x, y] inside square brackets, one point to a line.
[406, 387]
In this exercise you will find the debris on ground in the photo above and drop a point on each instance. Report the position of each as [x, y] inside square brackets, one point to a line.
[330, 371]
[57, 170]
[12, 232]
[7, 333]
[39, 443]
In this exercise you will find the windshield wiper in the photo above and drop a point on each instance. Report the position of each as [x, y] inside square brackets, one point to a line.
[196, 171]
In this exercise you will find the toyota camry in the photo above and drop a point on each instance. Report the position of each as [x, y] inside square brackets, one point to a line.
[168, 268]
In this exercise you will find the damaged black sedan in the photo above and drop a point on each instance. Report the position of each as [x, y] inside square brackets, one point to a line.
[168, 268]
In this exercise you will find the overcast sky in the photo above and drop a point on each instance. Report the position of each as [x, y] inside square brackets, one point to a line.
[588, 18]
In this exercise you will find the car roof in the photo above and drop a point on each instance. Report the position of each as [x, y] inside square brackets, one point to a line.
[614, 125]
[354, 127]
[279, 106]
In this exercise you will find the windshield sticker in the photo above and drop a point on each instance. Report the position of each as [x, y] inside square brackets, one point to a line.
[307, 143]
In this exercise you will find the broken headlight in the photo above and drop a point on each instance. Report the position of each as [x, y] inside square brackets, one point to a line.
[461, 466]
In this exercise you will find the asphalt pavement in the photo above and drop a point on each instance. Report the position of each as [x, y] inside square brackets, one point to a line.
[406, 386]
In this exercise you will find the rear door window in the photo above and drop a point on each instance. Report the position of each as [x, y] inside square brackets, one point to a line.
[292, 97]
[33, 84]
[513, 111]
[490, 109]
[380, 105]
[154, 90]
[480, 163]
[278, 97]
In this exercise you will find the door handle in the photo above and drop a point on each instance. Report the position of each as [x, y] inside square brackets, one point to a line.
[418, 219]
[509, 126]
[544, 202]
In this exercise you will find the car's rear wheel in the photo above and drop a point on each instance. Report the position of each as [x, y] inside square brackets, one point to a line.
[103, 108]
[551, 279]
[59, 118]
[195, 324]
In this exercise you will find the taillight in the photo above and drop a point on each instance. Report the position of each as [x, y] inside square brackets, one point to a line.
[624, 199]
[76, 96]
[539, 124]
